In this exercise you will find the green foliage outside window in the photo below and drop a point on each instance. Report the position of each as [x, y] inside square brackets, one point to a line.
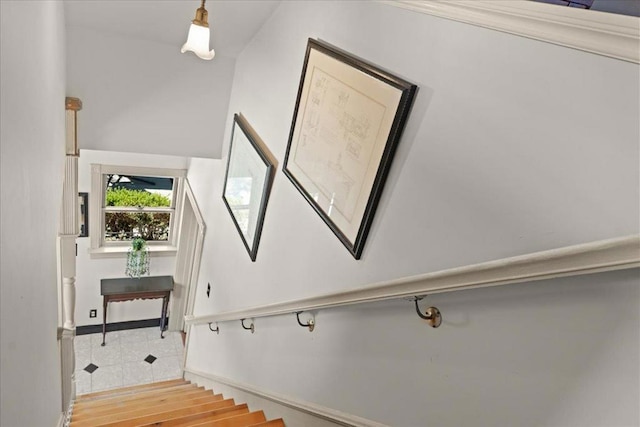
[126, 197]
[128, 225]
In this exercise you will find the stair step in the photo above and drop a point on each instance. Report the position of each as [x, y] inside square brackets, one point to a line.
[273, 423]
[172, 400]
[134, 396]
[127, 390]
[199, 418]
[236, 421]
[165, 412]
[174, 403]
[143, 395]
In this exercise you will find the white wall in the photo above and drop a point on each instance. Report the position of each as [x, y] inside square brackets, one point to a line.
[91, 270]
[32, 128]
[513, 146]
[146, 97]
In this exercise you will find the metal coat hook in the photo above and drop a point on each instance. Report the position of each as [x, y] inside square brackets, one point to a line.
[250, 328]
[431, 315]
[216, 330]
[311, 323]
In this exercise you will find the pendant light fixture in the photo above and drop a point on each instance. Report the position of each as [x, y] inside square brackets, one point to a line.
[198, 38]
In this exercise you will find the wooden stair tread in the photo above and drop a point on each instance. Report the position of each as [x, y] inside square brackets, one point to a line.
[125, 390]
[176, 389]
[194, 419]
[273, 423]
[236, 421]
[173, 403]
[188, 399]
[135, 418]
[133, 398]
[129, 413]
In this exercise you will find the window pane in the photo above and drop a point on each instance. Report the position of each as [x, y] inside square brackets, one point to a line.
[134, 190]
[127, 225]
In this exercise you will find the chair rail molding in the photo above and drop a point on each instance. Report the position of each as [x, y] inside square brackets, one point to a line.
[587, 258]
[608, 34]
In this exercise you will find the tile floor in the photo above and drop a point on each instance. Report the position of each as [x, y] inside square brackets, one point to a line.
[131, 357]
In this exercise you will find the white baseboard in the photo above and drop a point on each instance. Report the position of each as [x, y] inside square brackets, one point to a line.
[293, 411]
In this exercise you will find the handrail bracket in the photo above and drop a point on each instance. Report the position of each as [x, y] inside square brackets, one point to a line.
[432, 315]
[216, 330]
[250, 328]
[311, 323]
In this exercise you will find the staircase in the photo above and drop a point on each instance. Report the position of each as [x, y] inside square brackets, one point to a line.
[168, 403]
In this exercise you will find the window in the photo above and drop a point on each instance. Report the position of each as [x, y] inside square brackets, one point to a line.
[131, 202]
[138, 206]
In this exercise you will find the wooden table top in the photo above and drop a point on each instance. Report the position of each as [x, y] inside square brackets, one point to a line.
[127, 285]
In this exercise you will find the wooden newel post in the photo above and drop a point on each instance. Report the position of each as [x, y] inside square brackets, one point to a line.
[69, 230]
[69, 223]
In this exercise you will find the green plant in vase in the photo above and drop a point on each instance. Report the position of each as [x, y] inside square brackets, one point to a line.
[137, 258]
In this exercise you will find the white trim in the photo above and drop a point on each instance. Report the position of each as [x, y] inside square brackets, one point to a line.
[136, 209]
[67, 367]
[604, 255]
[187, 259]
[69, 223]
[319, 411]
[96, 219]
[608, 34]
[176, 217]
[202, 228]
[121, 251]
[199, 247]
[65, 416]
[143, 171]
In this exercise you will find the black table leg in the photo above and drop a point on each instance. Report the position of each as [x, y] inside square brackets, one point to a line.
[163, 318]
[104, 318]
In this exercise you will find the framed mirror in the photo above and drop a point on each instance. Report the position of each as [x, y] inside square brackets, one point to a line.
[247, 183]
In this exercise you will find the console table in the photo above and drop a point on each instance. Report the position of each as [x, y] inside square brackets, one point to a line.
[129, 289]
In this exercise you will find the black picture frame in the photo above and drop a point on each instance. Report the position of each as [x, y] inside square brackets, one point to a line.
[247, 183]
[334, 156]
[83, 205]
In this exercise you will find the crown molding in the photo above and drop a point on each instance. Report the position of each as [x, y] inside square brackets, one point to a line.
[612, 35]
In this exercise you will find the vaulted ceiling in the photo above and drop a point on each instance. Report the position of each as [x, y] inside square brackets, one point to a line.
[140, 94]
[232, 23]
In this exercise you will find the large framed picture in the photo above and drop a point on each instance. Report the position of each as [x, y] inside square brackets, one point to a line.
[347, 122]
[247, 183]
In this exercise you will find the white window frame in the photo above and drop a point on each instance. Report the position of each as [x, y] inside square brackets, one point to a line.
[98, 245]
